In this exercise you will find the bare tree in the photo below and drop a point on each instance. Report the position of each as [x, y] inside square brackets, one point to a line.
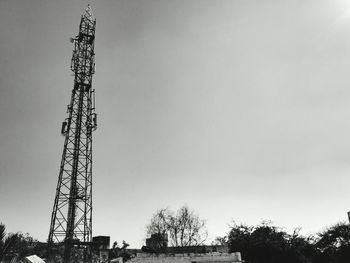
[184, 228]
[160, 222]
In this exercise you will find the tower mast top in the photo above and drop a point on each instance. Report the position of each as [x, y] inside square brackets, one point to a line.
[88, 14]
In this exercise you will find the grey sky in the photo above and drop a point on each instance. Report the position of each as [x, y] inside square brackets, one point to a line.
[238, 108]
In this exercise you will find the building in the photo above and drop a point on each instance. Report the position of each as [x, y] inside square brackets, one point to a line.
[101, 247]
[157, 241]
[101, 242]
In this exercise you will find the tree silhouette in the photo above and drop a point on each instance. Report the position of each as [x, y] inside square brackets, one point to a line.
[183, 228]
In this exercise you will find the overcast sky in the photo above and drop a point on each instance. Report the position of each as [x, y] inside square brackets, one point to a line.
[239, 109]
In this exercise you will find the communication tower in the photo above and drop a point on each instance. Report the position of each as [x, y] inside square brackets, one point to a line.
[71, 220]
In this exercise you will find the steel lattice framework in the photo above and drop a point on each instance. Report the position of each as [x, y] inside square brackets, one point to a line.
[71, 221]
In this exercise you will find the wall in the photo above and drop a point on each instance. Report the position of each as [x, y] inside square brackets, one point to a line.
[215, 257]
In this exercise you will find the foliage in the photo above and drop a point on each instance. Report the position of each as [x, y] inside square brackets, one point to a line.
[15, 245]
[120, 251]
[220, 241]
[333, 244]
[265, 243]
[183, 228]
[3, 241]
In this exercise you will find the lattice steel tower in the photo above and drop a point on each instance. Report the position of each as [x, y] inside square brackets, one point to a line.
[71, 221]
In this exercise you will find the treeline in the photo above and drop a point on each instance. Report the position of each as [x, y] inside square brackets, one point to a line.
[266, 243]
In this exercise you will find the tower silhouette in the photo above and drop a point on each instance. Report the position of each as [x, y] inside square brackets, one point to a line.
[71, 220]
